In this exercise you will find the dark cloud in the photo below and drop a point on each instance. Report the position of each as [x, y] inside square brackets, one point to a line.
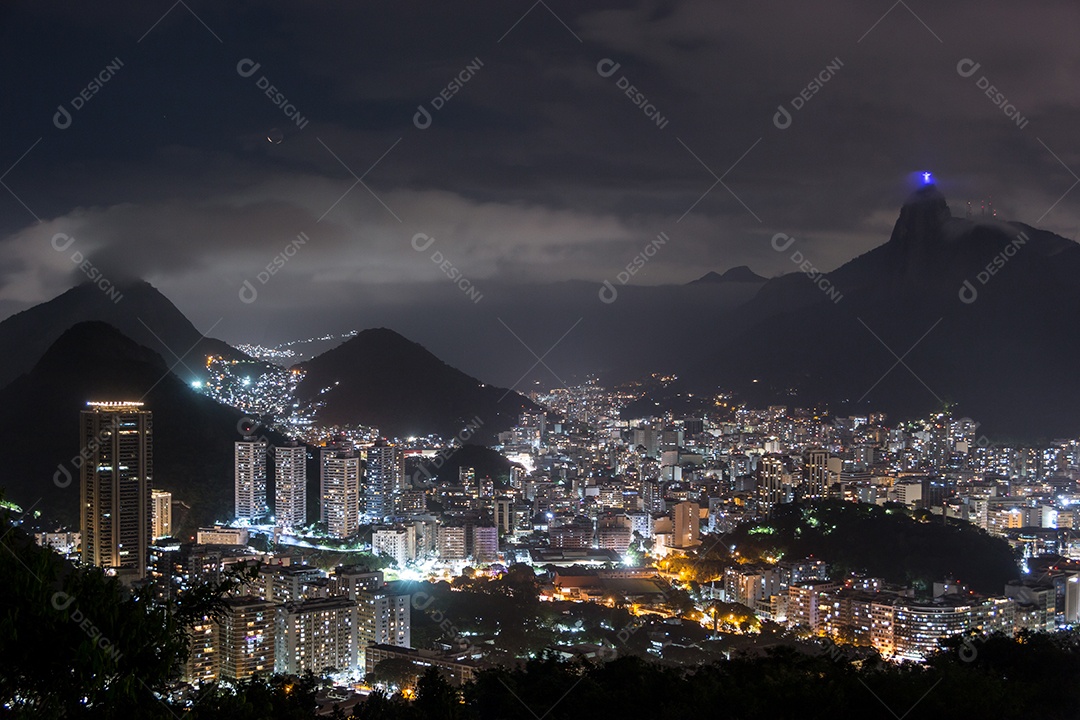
[537, 169]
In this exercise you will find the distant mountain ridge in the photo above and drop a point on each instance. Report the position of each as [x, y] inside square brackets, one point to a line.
[1002, 357]
[740, 273]
[142, 314]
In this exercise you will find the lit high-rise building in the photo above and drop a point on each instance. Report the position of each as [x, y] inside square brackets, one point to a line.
[411, 501]
[919, 625]
[115, 485]
[614, 532]
[808, 604]
[250, 467]
[247, 637]
[384, 618]
[290, 486]
[384, 479]
[1072, 598]
[451, 542]
[161, 504]
[351, 580]
[316, 634]
[203, 662]
[396, 542]
[815, 473]
[288, 583]
[641, 523]
[221, 535]
[686, 517]
[467, 480]
[485, 543]
[652, 496]
[577, 533]
[340, 484]
[504, 515]
[771, 480]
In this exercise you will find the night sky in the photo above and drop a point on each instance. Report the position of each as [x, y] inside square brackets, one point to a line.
[537, 169]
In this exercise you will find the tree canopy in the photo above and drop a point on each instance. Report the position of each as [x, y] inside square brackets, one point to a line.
[883, 542]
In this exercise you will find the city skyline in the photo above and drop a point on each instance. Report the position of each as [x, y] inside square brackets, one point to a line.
[695, 519]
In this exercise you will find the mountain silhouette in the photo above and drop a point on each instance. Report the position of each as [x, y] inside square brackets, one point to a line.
[969, 313]
[140, 312]
[382, 379]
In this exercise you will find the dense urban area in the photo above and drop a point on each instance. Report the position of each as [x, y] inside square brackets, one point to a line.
[579, 536]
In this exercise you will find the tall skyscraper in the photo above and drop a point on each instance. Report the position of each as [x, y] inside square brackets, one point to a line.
[340, 484]
[383, 480]
[115, 484]
[290, 486]
[771, 480]
[161, 514]
[939, 445]
[815, 473]
[250, 459]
